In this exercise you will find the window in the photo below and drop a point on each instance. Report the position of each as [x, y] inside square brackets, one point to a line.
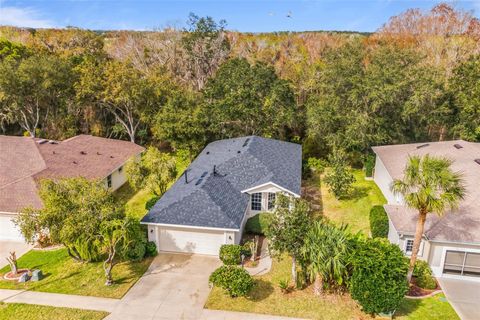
[409, 246]
[256, 201]
[109, 181]
[271, 200]
[120, 169]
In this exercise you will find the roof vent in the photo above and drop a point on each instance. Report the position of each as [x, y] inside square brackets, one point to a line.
[458, 146]
[246, 142]
[98, 153]
[54, 152]
[423, 146]
[83, 152]
[239, 151]
[42, 141]
[208, 152]
[112, 157]
[75, 162]
[204, 174]
[477, 161]
[198, 181]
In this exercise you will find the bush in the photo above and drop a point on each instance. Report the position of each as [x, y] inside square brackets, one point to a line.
[137, 241]
[369, 165]
[151, 202]
[316, 165]
[258, 223]
[150, 249]
[235, 280]
[379, 270]
[423, 275]
[230, 254]
[378, 222]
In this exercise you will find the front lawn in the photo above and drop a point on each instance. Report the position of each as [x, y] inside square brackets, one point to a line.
[267, 298]
[436, 307]
[64, 275]
[36, 312]
[353, 210]
[134, 201]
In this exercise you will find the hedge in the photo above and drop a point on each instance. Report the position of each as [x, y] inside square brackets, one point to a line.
[235, 280]
[258, 223]
[231, 254]
[423, 275]
[378, 222]
[369, 165]
[151, 202]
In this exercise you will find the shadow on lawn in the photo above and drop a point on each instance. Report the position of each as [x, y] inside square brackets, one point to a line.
[357, 193]
[262, 290]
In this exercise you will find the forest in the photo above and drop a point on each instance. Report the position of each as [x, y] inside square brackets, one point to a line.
[415, 79]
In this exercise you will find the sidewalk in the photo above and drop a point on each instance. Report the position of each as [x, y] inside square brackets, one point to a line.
[264, 263]
[58, 300]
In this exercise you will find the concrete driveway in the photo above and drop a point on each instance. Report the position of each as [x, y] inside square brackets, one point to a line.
[174, 287]
[464, 296]
[20, 249]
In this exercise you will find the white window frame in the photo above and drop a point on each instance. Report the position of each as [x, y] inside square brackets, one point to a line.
[109, 181]
[255, 200]
[271, 202]
[409, 253]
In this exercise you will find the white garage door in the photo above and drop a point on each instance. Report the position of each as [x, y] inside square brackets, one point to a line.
[190, 241]
[8, 230]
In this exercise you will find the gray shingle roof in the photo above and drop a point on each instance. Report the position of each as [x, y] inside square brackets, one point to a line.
[216, 201]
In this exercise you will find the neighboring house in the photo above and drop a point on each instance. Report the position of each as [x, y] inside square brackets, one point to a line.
[25, 161]
[230, 181]
[451, 244]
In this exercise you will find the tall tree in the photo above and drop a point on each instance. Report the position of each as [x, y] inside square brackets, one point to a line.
[34, 90]
[286, 230]
[206, 47]
[429, 186]
[244, 99]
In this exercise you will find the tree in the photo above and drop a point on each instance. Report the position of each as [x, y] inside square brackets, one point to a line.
[73, 211]
[115, 238]
[339, 178]
[286, 230]
[35, 89]
[206, 47]
[244, 99]
[326, 253]
[130, 96]
[466, 91]
[155, 171]
[429, 186]
[378, 275]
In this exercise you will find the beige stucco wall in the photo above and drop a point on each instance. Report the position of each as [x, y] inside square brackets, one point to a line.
[383, 180]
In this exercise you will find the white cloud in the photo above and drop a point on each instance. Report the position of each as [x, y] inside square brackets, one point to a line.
[23, 17]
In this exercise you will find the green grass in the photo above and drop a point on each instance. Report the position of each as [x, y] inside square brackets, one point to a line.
[134, 201]
[355, 209]
[35, 312]
[64, 275]
[436, 307]
[267, 298]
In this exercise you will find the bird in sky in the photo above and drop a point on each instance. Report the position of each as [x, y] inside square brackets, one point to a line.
[289, 14]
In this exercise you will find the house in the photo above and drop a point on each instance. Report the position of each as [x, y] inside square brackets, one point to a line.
[25, 161]
[230, 181]
[451, 244]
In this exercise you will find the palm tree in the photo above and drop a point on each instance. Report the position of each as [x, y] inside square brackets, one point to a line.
[326, 250]
[429, 186]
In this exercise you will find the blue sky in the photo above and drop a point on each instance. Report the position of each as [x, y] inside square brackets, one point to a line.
[252, 16]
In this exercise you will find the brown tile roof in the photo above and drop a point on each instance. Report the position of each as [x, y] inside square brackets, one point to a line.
[24, 161]
[463, 225]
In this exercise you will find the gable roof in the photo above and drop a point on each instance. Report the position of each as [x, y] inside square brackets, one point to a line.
[216, 200]
[24, 161]
[462, 225]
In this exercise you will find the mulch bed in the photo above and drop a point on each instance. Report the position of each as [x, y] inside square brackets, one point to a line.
[10, 276]
[248, 263]
[416, 291]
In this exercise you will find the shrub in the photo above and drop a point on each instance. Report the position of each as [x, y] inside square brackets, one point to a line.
[136, 240]
[378, 222]
[230, 254]
[258, 223]
[234, 280]
[316, 165]
[369, 165]
[423, 275]
[151, 202]
[379, 270]
[150, 249]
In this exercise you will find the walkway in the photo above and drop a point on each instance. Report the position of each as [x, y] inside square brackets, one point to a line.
[264, 263]
[6, 246]
[58, 300]
[464, 296]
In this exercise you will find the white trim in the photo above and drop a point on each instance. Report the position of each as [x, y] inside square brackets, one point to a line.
[454, 242]
[273, 184]
[187, 227]
[9, 213]
[439, 270]
[420, 248]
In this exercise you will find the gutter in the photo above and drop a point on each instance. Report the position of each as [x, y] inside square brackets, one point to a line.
[188, 227]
